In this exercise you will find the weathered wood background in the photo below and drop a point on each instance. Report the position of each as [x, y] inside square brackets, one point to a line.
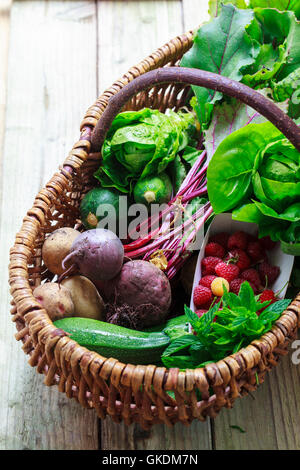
[55, 58]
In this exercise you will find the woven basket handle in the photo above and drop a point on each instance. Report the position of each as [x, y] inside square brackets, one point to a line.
[213, 81]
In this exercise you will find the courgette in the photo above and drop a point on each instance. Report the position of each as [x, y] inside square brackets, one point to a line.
[126, 345]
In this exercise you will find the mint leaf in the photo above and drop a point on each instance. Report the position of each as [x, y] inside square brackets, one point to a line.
[247, 297]
[277, 307]
[179, 343]
[224, 47]
[182, 362]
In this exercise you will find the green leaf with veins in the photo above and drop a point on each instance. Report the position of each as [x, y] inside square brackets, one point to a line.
[293, 5]
[215, 6]
[279, 52]
[222, 46]
[229, 173]
[228, 117]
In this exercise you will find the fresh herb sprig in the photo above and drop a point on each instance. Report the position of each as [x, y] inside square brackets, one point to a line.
[228, 326]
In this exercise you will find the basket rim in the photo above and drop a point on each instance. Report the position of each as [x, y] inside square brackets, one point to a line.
[34, 326]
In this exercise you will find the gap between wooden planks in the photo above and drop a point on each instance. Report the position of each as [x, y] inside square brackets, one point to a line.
[50, 88]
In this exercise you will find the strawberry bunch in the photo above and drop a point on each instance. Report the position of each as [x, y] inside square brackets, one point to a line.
[230, 260]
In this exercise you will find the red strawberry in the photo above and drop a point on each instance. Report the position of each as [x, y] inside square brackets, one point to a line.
[267, 273]
[252, 238]
[207, 280]
[239, 257]
[220, 238]
[227, 270]
[202, 295]
[255, 251]
[236, 284]
[199, 313]
[208, 264]
[210, 303]
[214, 249]
[266, 295]
[238, 240]
[252, 276]
[267, 243]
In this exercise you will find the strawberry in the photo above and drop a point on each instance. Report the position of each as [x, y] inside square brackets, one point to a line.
[220, 238]
[236, 284]
[252, 276]
[239, 257]
[214, 249]
[267, 243]
[267, 273]
[199, 313]
[208, 264]
[266, 295]
[227, 270]
[202, 295]
[211, 303]
[237, 240]
[252, 238]
[207, 280]
[256, 251]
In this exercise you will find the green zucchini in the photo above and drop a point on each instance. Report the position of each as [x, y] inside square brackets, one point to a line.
[129, 346]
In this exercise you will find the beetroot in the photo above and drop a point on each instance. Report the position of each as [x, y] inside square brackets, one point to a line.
[97, 254]
[140, 296]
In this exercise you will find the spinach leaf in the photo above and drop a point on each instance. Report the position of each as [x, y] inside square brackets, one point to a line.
[229, 173]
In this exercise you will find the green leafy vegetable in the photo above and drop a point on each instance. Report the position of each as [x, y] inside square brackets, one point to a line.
[223, 330]
[181, 165]
[270, 32]
[229, 174]
[222, 46]
[255, 172]
[142, 143]
[214, 6]
[282, 5]
[230, 116]
[287, 87]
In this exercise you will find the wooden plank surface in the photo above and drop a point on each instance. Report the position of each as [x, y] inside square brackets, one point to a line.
[51, 82]
[5, 7]
[270, 416]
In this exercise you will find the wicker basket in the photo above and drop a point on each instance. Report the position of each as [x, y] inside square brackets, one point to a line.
[125, 392]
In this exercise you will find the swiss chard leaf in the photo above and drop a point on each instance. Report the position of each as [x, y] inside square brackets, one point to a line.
[222, 46]
[228, 117]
